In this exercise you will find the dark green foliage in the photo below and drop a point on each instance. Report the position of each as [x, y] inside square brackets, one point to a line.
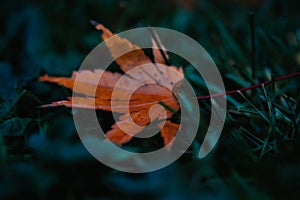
[257, 156]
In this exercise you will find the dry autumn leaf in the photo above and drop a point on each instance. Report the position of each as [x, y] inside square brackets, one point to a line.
[114, 89]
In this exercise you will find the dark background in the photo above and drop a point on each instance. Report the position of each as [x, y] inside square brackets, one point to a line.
[257, 156]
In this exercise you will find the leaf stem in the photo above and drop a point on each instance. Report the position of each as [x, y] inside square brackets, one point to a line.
[249, 87]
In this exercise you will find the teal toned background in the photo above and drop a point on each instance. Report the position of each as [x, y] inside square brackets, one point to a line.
[257, 156]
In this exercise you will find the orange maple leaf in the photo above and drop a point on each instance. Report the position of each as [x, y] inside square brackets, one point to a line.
[141, 101]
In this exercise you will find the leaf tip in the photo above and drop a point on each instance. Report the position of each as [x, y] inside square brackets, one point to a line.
[97, 25]
[43, 78]
[94, 23]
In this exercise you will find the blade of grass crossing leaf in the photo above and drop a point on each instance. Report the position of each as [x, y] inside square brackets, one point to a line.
[159, 45]
[168, 108]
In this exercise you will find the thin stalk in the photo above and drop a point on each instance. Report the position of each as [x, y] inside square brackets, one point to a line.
[250, 87]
